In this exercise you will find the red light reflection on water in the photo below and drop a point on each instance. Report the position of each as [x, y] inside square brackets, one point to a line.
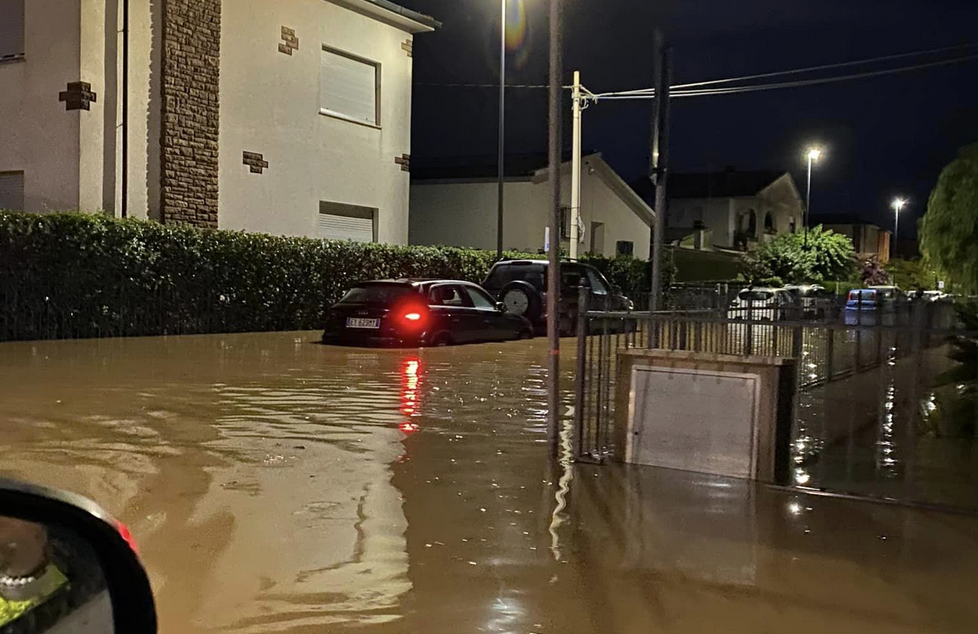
[410, 382]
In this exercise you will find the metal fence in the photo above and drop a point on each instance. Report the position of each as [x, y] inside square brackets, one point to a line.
[866, 368]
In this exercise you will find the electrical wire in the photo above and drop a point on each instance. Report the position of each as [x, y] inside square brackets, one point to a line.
[649, 93]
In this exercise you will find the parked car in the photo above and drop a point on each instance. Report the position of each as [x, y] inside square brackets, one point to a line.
[865, 299]
[889, 295]
[408, 313]
[812, 299]
[761, 303]
[521, 286]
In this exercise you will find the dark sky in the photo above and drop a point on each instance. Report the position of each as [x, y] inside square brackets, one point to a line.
[882, 136]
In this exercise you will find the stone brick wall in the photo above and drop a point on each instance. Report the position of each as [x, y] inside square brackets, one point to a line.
[190, 105]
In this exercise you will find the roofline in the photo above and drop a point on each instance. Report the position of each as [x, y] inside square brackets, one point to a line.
[392, 14]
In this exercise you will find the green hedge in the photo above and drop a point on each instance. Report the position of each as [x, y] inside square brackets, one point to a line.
[71, 275]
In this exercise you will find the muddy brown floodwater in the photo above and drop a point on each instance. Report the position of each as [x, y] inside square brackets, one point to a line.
[276, 485]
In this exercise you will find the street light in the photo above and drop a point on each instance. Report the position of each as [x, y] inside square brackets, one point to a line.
[813, 154]
[502, 129]
[897, 204]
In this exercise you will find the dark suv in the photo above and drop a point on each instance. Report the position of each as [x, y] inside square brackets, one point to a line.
[521, 286]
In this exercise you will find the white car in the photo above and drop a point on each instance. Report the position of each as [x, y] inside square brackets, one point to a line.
[761, 303]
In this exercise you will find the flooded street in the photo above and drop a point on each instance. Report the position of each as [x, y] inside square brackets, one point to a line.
[277, 485]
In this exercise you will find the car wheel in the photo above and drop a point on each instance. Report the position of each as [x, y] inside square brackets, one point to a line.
[441, 340]
[522, 300]
[525, 334]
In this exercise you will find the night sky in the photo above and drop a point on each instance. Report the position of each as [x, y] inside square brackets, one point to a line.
[881, 136]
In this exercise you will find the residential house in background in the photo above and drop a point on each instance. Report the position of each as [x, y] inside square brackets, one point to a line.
[735, 209]
[456, 204]
[868, 240]
[288, 117]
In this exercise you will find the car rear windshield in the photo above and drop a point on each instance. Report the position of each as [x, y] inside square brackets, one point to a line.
[505, 273]
[755, 296]
[376, 293]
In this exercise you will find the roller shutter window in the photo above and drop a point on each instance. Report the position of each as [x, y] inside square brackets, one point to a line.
[339, 221]
[11, 29]
[349, 87]
[12, 191]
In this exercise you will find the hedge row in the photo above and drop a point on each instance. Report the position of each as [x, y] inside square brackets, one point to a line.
[72, 275]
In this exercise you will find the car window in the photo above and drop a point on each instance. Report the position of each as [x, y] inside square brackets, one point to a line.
[376, 293]
[598, 285]
[570, 276]
[448, 295]
[479, 299]
[503, 274]
[755, 296]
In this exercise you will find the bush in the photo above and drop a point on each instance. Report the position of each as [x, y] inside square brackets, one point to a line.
[827, 256]
[80, 275]
[72, 275]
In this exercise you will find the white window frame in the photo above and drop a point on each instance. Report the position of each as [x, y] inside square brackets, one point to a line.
[377, 89]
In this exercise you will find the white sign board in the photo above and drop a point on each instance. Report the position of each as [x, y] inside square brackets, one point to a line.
[940, 285]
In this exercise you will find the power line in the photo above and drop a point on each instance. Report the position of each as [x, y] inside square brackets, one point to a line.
[649, 93]
[811, 69]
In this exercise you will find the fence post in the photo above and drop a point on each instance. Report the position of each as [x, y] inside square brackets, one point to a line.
[579, 386]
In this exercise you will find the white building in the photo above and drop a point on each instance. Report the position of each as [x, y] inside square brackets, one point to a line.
[457, 206]
[281, 116]
[737, 208]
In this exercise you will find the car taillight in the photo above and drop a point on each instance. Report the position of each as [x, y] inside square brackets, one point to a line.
[413, 316]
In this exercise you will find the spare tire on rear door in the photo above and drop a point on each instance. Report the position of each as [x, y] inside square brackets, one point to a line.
[520, 298]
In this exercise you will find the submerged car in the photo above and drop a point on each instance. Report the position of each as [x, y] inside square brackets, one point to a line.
[761, 303]
[864, 299]
[410, 313]
[813, 300]
[521, 286]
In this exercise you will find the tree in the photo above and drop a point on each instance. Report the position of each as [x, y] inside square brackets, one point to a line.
[948, 229]
[914, 274]
[828, 256]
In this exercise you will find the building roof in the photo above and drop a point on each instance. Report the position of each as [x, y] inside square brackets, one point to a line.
[726, 184]
[399, 16]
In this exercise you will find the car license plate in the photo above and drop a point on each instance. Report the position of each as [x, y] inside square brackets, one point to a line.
[359, 322]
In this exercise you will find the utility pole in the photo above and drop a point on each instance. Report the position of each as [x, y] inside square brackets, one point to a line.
[659, 160]
[502, 131]
[553, 269]
[575, 219]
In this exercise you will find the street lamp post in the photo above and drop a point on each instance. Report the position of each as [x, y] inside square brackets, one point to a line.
[898, 204]
[502, 130]
[813, 155]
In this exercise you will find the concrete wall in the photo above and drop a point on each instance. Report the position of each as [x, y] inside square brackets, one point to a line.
[270, 106]
[464, 214]
[38, 136]
[717, 214]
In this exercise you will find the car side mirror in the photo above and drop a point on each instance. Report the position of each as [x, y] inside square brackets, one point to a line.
[67, 566]
[501, 307]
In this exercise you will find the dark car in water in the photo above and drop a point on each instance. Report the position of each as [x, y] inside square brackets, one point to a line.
[521, 286]
[409, 313]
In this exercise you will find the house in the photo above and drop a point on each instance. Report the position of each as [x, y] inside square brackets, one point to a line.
[288, 117]
[868, 240]
[456, 204]
[736, 208]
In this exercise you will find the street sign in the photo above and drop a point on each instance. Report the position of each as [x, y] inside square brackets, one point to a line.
[940, 285]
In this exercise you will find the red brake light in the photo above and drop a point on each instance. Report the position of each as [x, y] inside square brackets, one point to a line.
[413, 316]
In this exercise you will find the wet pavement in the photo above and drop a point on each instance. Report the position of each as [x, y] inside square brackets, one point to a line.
[276, 485]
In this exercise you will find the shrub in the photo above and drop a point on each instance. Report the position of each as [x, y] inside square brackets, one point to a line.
[81, 275]
[632, 275]
[827, 256]
[73, 275]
